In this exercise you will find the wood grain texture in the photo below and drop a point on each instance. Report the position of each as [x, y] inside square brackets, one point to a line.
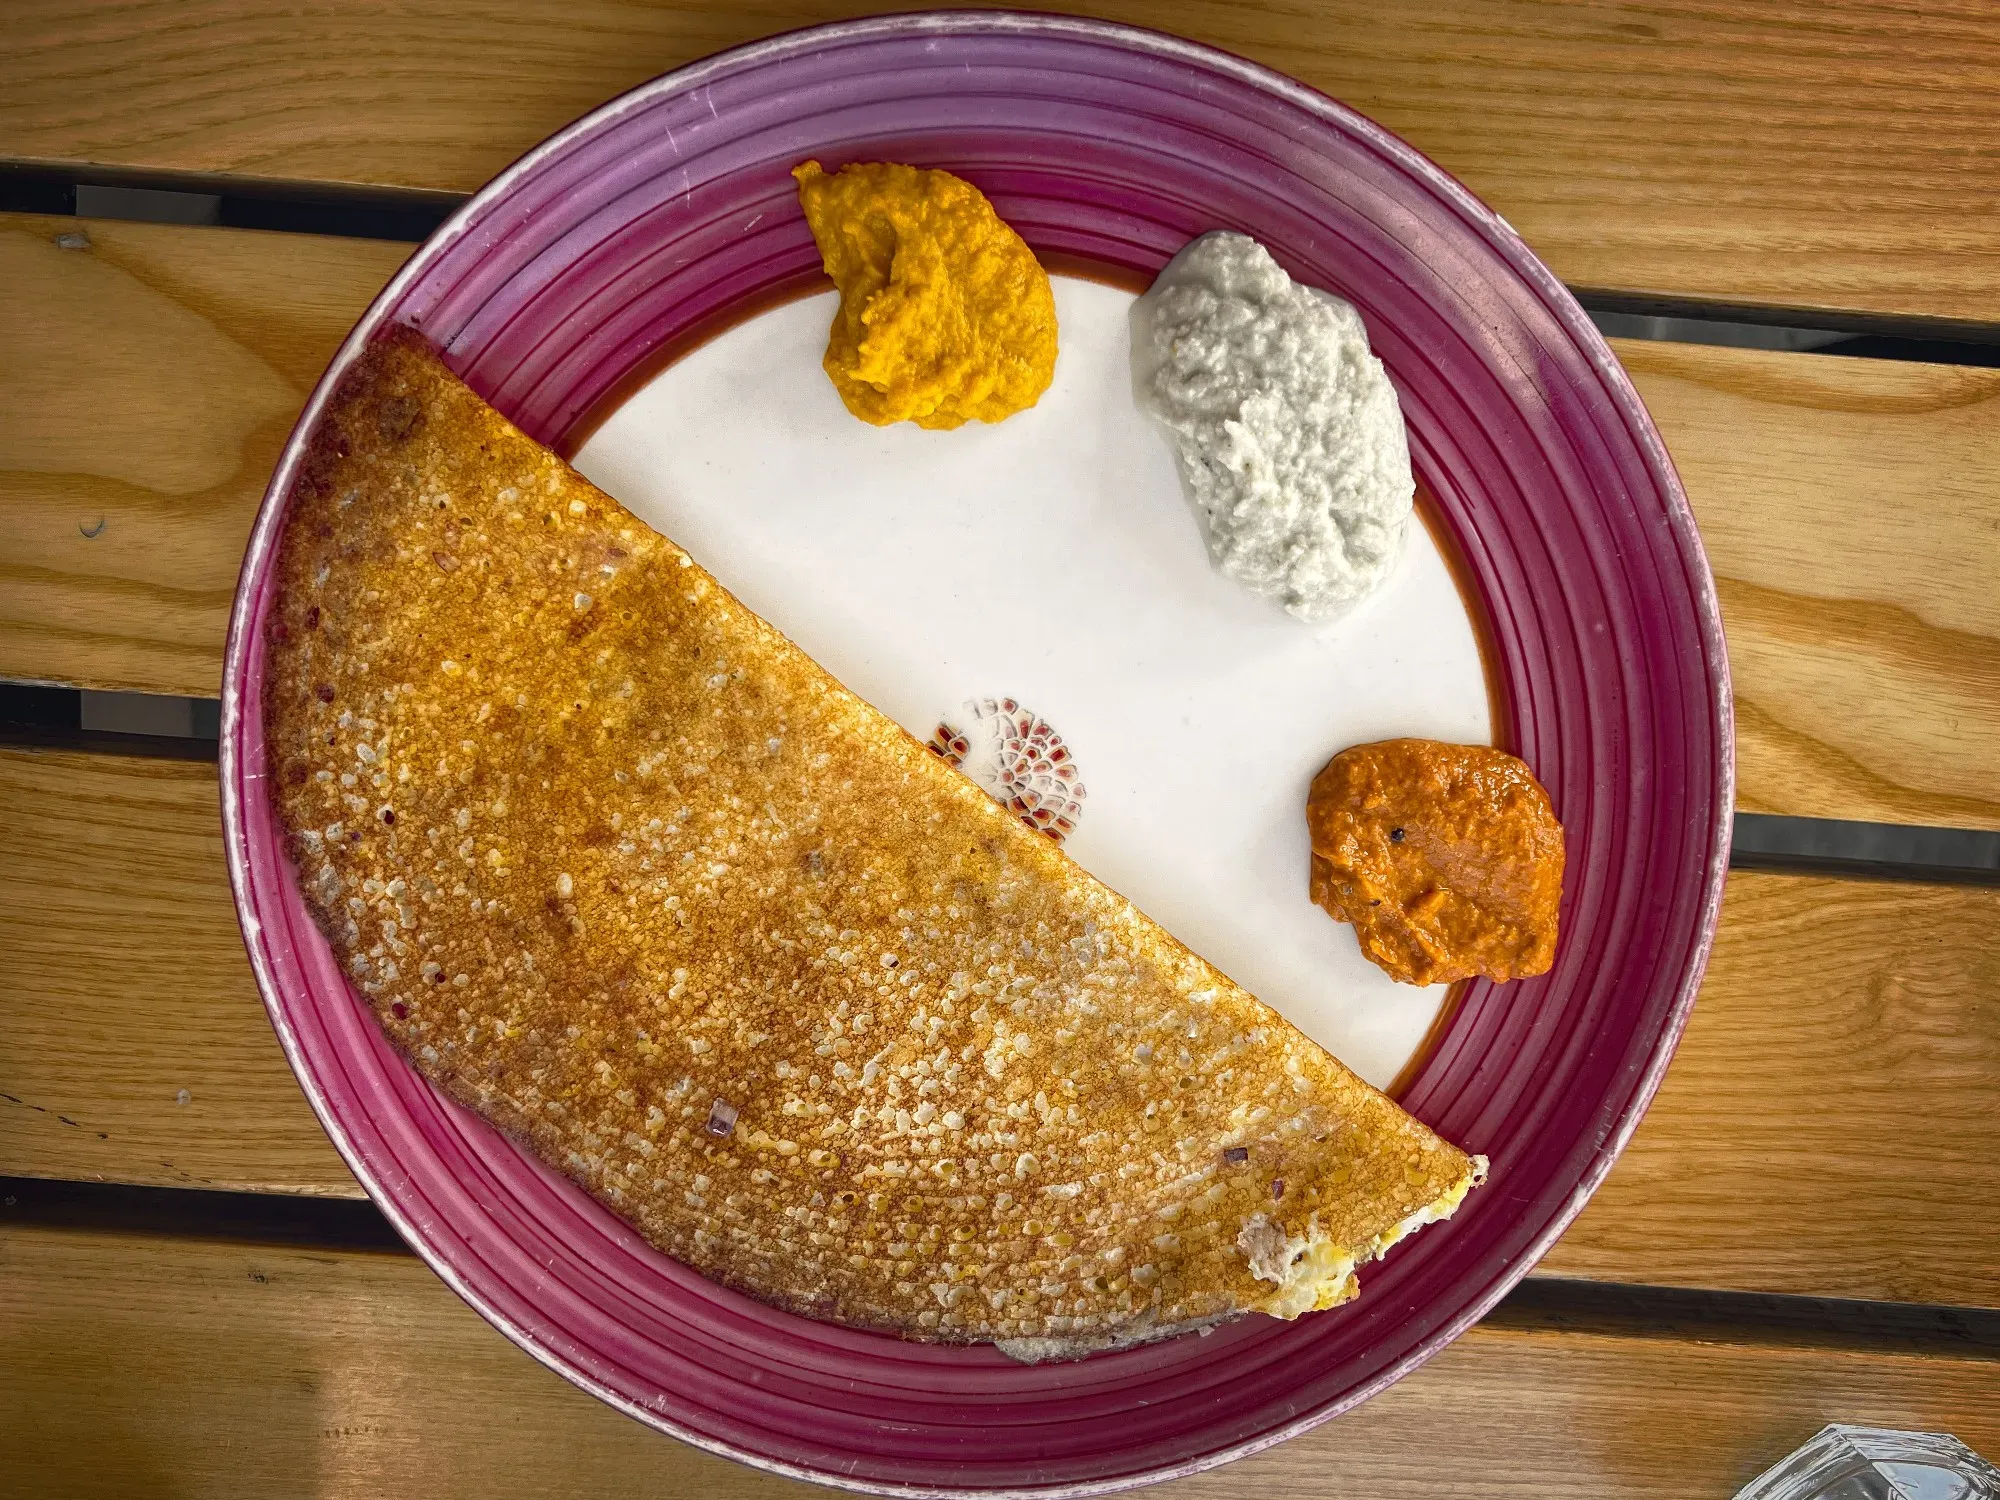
[1803, 154]
[1851, 512]
[133, 1047]
[142, 1366]
[1833, 1090]
[148, 377]
[1851, 507]
[1830, 1124]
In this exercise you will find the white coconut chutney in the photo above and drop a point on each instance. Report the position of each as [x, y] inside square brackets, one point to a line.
[1288, 435]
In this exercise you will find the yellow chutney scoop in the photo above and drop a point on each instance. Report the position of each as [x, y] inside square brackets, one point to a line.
[945, 314]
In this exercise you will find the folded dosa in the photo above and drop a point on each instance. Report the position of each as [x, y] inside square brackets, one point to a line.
[621, 869]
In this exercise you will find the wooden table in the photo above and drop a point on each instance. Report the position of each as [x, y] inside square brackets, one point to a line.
[1807, 1227]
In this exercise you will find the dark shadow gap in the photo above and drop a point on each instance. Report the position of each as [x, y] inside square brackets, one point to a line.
[1622, 1309]
[374, 213]
[198, 1213]
[152, 725]
[1866, 851]
[1941, 333]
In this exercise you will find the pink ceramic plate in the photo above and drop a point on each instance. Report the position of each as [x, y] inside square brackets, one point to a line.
[668, 211]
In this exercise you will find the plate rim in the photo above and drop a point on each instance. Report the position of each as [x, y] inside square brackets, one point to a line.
[1503, 239]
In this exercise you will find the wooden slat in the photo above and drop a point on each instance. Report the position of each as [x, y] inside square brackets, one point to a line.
[133, 1047]
[1851, 512]
[1790, 152]
[1829, 1127]
[136, 1366]
[1850, 506]
[147, 381]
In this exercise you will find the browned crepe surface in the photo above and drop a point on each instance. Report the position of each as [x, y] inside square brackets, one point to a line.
[623, 870]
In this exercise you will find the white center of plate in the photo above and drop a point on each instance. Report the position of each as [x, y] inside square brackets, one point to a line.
[1052, 559]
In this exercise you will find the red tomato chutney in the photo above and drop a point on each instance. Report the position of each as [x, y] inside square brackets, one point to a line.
[1447, 859]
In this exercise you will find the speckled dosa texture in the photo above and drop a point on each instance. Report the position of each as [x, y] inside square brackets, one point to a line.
[623, 870]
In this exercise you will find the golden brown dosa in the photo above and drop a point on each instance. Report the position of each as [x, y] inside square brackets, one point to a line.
[623, 870]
